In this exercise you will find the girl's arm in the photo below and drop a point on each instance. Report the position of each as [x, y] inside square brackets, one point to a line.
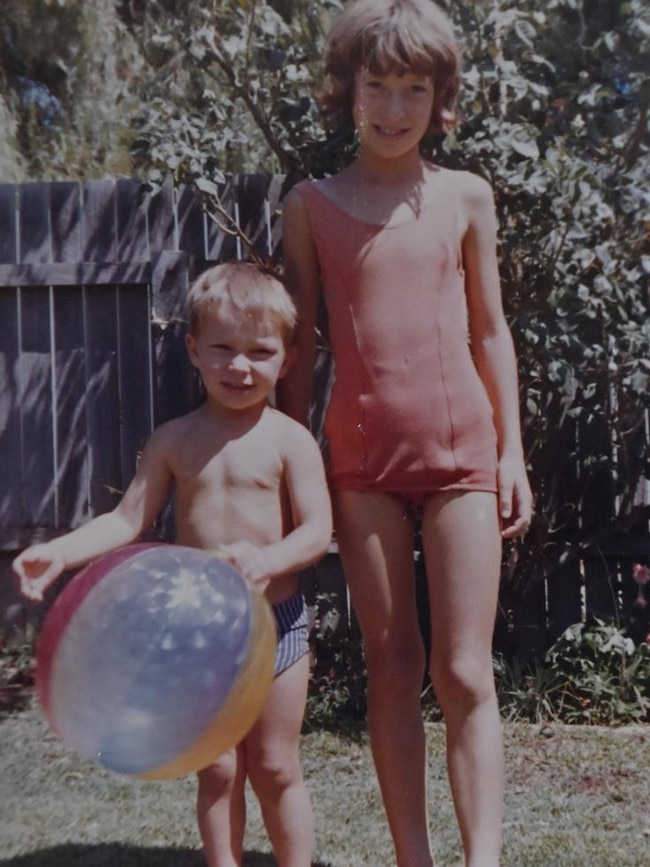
[304, 476]
[302, 275]
[40, 565]
[494, 353]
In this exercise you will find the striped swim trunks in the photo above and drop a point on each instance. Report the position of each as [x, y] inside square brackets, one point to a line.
[293, 631]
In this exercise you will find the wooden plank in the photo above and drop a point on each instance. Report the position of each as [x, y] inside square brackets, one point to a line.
[327, 599]
[131, 207]
[75, 274]
[35, 242]
[564, 599]
[277, 190]
[191, 222]
[175, 382]
[65, 219]
[8, 223]
[600, 588]
[102, 405]
[169, 285]
[98, 221]
[176, 389]
[221, 245]
[72, 433]
[135, 372]
[10, 436]
[251, 194]
[529, 626]
[162, 219]
[36, 409]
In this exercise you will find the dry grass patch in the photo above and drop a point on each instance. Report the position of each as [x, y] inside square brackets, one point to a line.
[576, 797]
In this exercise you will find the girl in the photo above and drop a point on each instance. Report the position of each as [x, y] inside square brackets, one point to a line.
[423, 419]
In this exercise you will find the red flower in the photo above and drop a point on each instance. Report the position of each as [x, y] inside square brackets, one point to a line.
[640, 574]
[640, 601]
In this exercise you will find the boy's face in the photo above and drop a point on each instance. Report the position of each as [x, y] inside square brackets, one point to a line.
[240, 361]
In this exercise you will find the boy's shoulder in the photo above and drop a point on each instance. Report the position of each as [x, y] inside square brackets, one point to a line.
[175, 429]
[289, 431]
[283, 423]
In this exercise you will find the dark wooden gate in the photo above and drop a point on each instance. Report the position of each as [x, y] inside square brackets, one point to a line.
[93, 280]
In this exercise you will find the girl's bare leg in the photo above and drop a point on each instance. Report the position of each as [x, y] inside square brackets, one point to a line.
[273, 760]
[221, 809]
[463, 553]
[375, 539]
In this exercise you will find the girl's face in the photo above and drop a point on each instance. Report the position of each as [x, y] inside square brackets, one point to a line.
[391, 112]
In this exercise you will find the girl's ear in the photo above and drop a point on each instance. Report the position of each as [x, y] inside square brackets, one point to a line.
[190, 343]
[289, 357]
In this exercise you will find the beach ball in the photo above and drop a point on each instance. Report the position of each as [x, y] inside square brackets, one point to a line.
[155, 659]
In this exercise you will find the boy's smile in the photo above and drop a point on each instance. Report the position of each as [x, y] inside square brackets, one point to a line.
[239, 361]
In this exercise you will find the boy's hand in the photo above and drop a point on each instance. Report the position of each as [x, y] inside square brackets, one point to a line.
[515, 498]
[250, 560]
[36, 569]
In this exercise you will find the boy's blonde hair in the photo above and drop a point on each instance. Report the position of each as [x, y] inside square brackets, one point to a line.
[386, 36]
[235, 289]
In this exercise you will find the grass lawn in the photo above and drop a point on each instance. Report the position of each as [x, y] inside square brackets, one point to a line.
[576, 797]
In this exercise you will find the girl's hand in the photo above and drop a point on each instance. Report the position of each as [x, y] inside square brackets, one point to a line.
[36, 569]
[251, 560]
[515, 498]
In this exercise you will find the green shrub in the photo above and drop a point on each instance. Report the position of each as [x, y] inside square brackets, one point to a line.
[337, 690]
[593, 674]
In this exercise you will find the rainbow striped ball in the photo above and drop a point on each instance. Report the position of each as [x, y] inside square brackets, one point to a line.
[155, 659]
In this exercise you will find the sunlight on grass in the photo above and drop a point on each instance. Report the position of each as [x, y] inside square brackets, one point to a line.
[576, 797]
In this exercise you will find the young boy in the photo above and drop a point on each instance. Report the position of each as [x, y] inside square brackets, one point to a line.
[248, 481]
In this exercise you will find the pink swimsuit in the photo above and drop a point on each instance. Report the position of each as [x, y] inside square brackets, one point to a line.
[408, 412]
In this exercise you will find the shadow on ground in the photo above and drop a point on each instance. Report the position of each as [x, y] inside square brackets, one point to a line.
[116, 855]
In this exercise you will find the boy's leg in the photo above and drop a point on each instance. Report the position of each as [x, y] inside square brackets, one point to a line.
[221, 809]
[462, 547]
[375, 537]
[273, 763]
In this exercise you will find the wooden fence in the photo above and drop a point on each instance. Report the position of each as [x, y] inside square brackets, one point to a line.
[93, 279]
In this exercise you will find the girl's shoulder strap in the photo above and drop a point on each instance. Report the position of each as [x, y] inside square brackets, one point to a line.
[308, 189]
[304, 194]
[315, 199]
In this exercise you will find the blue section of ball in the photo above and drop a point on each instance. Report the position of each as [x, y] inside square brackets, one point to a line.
[150, 656]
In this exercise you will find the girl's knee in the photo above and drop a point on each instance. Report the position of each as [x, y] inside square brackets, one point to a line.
[462, 684]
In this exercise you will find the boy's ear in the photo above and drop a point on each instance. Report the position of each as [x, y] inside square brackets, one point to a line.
[289, 357]
[190, 343]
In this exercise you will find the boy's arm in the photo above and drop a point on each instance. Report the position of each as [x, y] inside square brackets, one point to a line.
[301, 272]
[311, 513]
[494, 353]
[40, 565]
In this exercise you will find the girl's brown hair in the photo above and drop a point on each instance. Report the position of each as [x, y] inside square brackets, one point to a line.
[391, 36]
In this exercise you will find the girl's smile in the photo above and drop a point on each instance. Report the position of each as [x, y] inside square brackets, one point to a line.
[392, 111]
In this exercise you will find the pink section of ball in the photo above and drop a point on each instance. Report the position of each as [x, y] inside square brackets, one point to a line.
[64, 608]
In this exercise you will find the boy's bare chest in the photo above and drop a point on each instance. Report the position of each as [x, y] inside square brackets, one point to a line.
[238, 466]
